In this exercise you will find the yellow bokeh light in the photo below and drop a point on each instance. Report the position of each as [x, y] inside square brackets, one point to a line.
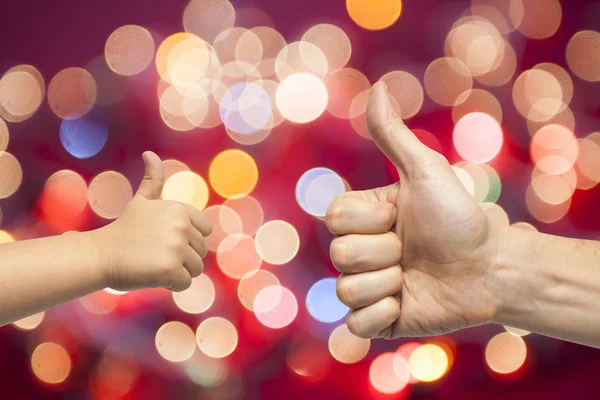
[374, 15]
[11, 174]
[31, 322]
[277, 242]
[302, 98]
[197, 298]
[583, 55]
[109, 193]
[5, 237]
[175, 341]
[129, 50]
[428, 363]
[233, 173]
[346, 347]
[505, 353]
[51, 363]
[187, 187]
[217, 337]
[22, 90]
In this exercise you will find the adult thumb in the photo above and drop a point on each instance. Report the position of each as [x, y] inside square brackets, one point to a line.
[390, 134]
[154, 177]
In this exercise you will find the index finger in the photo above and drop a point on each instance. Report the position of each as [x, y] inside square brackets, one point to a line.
[354, 215]
[200, 221]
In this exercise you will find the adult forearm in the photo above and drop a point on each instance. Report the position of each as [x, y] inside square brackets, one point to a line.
[41, 273]
[549, 285]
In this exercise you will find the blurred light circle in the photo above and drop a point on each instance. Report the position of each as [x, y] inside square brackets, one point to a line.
[554, 188]
[334, 43]
[248, 17]
[51, 363]
[478, 101]
[405, 351]
[505, 353]
[428, 139]
[113, 376]
[275, 307]
[542, 211]
[277, 242]
[562, 77]
[111, 87]
[346, 347]
[374, 15]
[189, 60]
[246, 108]
[196, 104]
[205, 371]
[30, 323]
[172, 167]
[232, 73]
[517, 331]
[21, 93]
[301, 57]
[238, 44]
[536, 19]
[129, 50]
[448, 81]
[480, 179]
[252, 283]
[465, 178]
[225, 222]
[317, 188]
[64, 195]
[588, 160]
[198, 298]
[4, 135]
[237, 256]
[309, 359]
[583, 55]
[72, 93]
[186, 187]
[208, 18]
[406, 91]
[11, 174]
[495, 11]
[428, 363]
[250, 212]
[100, 303]
[217, 337]
[322, 302]
[495, 213]
[109, 193]
[504, 71]
[383, 376]
[5, 237]
[358, 111]
[175, 341]
[302, 98]
[272, 43]
[564, 118]
[554, 149]
[478, 137]
[343, 86]
[233, 173]
[537, 95]
[271, 88]
[84, 137]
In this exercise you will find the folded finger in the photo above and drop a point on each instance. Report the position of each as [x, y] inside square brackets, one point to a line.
[199, 220]
[180, 280]
[197, 242]
[370, 321]
[354, 215]
[353, 254]
[360, 290]
[193, 262]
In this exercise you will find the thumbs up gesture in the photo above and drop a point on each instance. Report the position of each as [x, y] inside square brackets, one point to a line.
[414, 255]
[155, 243]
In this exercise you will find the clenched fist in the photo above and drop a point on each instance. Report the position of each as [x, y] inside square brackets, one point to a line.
[155, 243]
[414, 255]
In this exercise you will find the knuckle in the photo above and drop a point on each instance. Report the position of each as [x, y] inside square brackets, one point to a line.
[345, 290]
[339, 254]
[391, 309]
[334, 218]
[354, 326]
[388, 215]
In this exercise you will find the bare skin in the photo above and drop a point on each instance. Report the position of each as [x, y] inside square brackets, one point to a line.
[420, 257]
[154, 243]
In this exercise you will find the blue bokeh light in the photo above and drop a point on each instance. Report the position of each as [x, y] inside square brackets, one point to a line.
[84, 137]
[322, 302]
[317, 188]
[246, 108]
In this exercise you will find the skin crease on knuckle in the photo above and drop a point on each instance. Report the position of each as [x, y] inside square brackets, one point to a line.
[345, 289]
[335, 217]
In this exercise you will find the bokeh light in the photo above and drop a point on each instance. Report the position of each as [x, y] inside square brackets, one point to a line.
[217, 337]
[64, 195]
[251, 285]
[504, 71]
[542, 211]
[309, 359]
[301, 58]
[113, 376]
[51, 363]
[246, 108]
[383, 375]
[406, 91]
[322, 302]
[129, 50]
[277, 242]
[448, 81]
[206, 371]
[198, 298]
[317, 188]
[237, 256]
[302, 98]
[536, 19]
[405, 351]
[11, 174]
[496, 213]
[554, 149]
[72, 93]
[583, 55]
[208, 18]
[347, 348]
[187, 187]
[175, 341]
[100, 303]
[226, 224]
[5, 237]
[478, 137]
[374, 15]
[22, 91]
[4, 135]
[233, 173]
[250, 213]
[505, 353]
[333, 42]
[537, 95]
[343, 86]
[517, 331]
[428, 363]
[275, 307]
[84, 137]
[109, 193]
[479, 100]
[30, 323]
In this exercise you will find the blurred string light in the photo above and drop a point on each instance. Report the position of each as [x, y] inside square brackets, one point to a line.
[317, 188]
[583, 55]
[109, 193]
[246, 108]
[208, 18]
[346, 347]
[275, 306]
[389, 373]
[233, 173]
[333, 42]
[4, 135]
[405, 351]
[478, 137]
[217, 337]
[252, 283]
[343, 86]
[536, 19]
[505, 353]
[428, 362]
[542, 211]
[301, 58]
[11, 174]
[64, 196]
[175, 341]
[302, 98]
[478, 100]
[51, 363]
[198, 298]
[237, 256]
[374, 15]
[205, 371]
[22, 90]
[72, 93]
[405, 90]
[448, 81]
[277, 242]
[322, 302]
[554, 149]
[187, 187]
[29, 323]
[538, 95]
[129, 50]
[249, 211]
[226, 224]
[84, 137]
